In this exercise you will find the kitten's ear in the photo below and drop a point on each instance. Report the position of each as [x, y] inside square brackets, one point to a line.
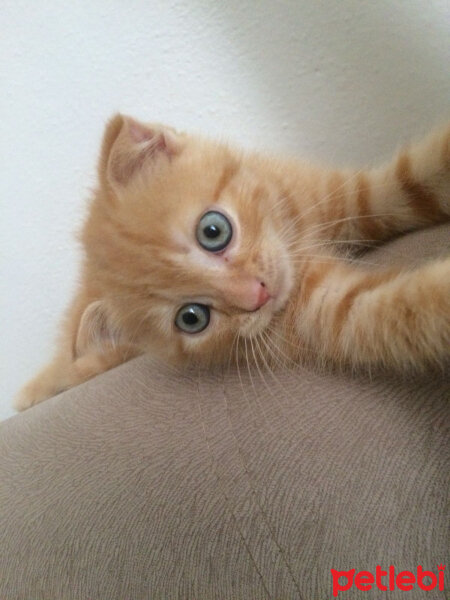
[129, 146]
[96, 332]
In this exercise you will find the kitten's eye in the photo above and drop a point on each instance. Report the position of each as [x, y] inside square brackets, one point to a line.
[214, 231]
[192, 318]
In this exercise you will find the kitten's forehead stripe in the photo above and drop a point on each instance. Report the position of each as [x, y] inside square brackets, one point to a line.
[228, 174]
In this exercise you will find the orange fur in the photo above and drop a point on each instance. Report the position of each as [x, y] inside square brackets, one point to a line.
[142, 261]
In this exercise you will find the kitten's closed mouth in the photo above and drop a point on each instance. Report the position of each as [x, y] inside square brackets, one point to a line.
[267, 303]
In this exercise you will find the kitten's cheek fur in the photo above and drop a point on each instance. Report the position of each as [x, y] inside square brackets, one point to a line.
[284, 285]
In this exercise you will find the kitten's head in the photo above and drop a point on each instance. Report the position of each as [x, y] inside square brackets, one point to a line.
[183, 244]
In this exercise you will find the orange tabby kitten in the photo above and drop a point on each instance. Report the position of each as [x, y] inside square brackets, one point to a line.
[198, 252]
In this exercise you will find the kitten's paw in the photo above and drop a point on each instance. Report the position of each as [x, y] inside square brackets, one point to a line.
[37, 390]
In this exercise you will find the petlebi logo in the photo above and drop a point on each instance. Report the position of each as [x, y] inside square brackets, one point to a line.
[389, 579]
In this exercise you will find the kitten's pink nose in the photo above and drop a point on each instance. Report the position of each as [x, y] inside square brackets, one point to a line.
[243, 291]
[263, 296]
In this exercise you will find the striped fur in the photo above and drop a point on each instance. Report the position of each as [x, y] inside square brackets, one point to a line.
[292, 222]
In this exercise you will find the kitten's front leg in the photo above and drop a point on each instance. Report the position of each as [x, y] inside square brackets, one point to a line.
[44, 385]
[410, 192]
[394, 318]
[64, 372]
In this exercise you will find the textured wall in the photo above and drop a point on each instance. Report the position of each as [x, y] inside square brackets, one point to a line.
[339, 80]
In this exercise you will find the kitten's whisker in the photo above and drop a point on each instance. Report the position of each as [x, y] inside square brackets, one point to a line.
[248, 367]
[239, 372]
[363, 243]
[252, 382]
[325, 198]
[320, 258]
[324, 243]
[257, 365]
[323, 226]
[319, 227]
[274, 357]
[278, 202]
[232, 348]
[243, 388]
[343, 194]
[297, 347]
[342, 250]
[261, 373]
[280, 336]
[271, 372]
[288, 359]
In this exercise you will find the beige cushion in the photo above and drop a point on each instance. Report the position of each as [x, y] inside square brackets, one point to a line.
[145, 483]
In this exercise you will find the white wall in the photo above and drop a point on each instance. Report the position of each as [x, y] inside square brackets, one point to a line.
[342, 80]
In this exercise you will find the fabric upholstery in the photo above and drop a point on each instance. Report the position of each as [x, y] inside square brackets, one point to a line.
[147, 483]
